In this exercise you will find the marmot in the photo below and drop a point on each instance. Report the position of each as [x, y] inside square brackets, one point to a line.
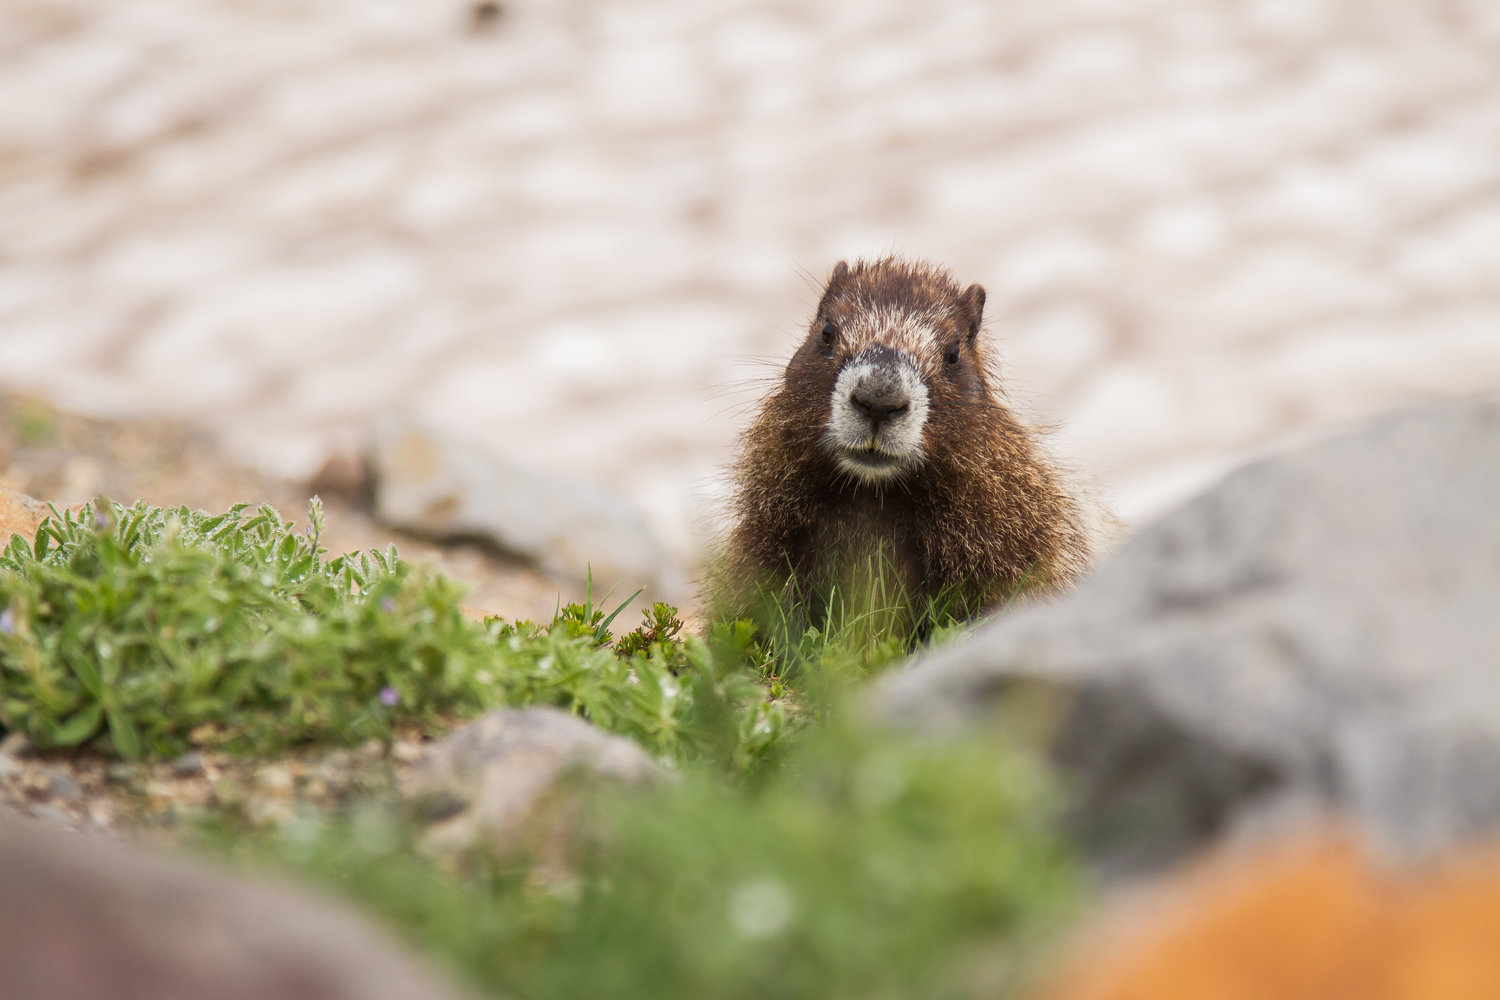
[887, 468]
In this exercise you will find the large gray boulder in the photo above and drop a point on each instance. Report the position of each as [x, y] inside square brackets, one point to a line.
[434, 484]
[84, 917]
[1319, 632]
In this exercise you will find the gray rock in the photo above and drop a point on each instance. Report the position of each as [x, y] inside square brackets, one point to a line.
[61, 784]
[51, 815]
[188, 765]
[13, 749]
[434, 484]
[491, 780]
[86, 917]
[1322, 627]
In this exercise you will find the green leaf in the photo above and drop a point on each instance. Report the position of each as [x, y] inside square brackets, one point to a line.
[603, 629]
[87, 674]
[19, 549]
[79, 728]
[123, 732]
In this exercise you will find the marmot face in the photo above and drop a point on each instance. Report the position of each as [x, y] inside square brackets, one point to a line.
[888, 343]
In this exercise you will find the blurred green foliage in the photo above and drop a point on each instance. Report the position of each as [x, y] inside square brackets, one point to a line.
[869, 866]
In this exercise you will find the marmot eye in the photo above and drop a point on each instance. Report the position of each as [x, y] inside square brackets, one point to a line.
[828, 333]
[952, 358]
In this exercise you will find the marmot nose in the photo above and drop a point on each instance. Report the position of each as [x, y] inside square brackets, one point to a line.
[879, 400]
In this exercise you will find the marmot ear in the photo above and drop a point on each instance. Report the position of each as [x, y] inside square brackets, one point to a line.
[973, 299]
[839, 276]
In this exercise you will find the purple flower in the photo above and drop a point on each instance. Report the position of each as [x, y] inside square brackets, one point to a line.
[387, 605]
[389, 697]
[7, 622]
[101, 520]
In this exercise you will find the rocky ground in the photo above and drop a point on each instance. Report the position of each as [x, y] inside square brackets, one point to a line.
[66, 458]
[89, 793]
[581, 234]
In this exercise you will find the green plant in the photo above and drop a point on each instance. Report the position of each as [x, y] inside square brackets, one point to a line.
[144, 630]
[159, 626]
[682, 697]
[874, 866]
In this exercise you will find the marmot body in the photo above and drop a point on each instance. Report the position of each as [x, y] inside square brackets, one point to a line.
[887, 450]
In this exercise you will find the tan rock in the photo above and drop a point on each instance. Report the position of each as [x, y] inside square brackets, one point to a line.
[19, 515]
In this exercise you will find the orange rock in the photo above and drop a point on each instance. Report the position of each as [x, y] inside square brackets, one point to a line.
[19, 515]
[1317, 920]
[1451, 935]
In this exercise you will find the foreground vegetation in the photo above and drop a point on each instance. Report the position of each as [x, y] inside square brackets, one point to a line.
[870, 868]
[800, 856]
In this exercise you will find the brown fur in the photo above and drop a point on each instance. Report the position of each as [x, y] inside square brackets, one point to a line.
[984, 517]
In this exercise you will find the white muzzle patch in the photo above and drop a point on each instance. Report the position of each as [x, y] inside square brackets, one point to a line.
[876, 416]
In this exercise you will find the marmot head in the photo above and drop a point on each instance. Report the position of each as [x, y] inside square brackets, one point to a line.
[892, 347]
